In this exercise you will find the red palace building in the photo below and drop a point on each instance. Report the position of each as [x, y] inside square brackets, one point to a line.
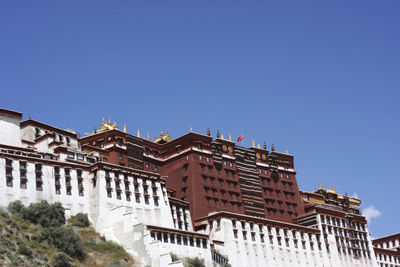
[210, 174]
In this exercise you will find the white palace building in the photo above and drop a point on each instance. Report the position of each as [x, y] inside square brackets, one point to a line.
[133, 207]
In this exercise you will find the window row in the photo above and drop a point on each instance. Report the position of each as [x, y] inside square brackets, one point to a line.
[179, 239]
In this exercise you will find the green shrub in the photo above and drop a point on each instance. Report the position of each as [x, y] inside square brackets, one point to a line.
[61, 259]
[195, 262]
[64, 239]
[43, 213]
[24, 250]
[174, 257]
[15, 207]
[80, 219]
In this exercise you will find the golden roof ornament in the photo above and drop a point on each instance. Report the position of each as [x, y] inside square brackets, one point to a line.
[287, 152]
[208, 132]
[252, 143]
[320, 185]
[167, 132]
[273, 147]
[334, 188]
[148, 136]
[138, 133]
[155, 137]
[218, 135]
[265, 146]
[161, 133]
[258, 146]
[104, 127]
[124, 128]
[109, 120]
[191, 130]
[230, 137]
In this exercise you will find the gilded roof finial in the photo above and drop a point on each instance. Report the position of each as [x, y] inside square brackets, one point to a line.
[167, 132]
[218, 136]
[95, 131]
[161, 133]
[320, 185]
[287, 152]
[252, 143]
[334, 188]
[273, 147]
[124, 128]
[102, 122]
[222, 136]
[191, 130]
[148, 136]
[230, 137]
[265, 145]
[208, 132]
[155, 137]
[109, 120]
[114, 125]
[258, 146]
[138, 133]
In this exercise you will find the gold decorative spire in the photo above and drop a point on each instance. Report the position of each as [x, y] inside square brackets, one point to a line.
[104, 127]
[218, 134]
[148, 136]
[161, 133]
[124, 128]
[273, 147]
[167, 132]
[208, 132]
[287, 152]
[265, 145]
[191, 130]
[320, 185]
[334, 188]
[138, 133]
[258, 146]
[222, 136]
[230, 137]
[155, 137]
[252, 143]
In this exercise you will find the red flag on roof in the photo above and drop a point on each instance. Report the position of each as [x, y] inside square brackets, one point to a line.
[240, 138]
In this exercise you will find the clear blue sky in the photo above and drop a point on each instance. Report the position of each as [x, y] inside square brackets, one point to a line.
[320, 78]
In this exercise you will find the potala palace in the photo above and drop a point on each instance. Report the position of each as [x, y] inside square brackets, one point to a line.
[194, 196]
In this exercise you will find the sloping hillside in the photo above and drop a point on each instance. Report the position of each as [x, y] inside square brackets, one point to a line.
[38, 236]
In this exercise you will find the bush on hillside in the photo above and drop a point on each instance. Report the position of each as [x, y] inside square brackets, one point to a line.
[65, 240]
[24, 250]
[43, 213]
[194, 262]
[80, 219]
[61, 259]
[15, 207]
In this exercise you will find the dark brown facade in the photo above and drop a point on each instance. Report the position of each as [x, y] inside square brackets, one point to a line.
[210, 174]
